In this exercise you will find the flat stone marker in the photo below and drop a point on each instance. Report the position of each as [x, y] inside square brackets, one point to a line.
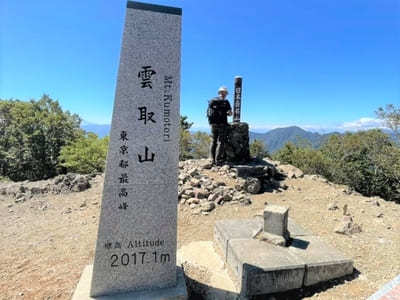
[136, 243]
[323, 262]
[296, 230]
[225, 230]
[259, 267]
[263, 268]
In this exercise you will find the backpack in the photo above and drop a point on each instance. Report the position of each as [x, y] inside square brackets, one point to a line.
[216, 111]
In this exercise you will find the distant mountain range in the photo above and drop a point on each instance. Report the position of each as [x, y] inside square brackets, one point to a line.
[277, 138]
[100, 129]
[273, 139]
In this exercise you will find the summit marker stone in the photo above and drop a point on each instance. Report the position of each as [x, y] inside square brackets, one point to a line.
[137, 235]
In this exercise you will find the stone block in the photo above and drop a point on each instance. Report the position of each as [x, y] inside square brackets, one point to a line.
[276, 220]
[296, 230]
[272, 238]
[323, 262]
[250, 171]
[177, 292]
[226, 230]
[237, 148]
[262, 268]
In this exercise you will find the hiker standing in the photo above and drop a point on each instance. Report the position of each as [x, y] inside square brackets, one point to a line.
[218, 111]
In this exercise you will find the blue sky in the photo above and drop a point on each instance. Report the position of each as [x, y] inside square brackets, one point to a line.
[322, 65]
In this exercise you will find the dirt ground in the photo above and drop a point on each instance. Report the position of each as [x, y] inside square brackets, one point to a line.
[48, 240]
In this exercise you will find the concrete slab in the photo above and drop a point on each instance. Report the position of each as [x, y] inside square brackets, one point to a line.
[323, 262]
[178, 292]
[296, 230]
[226, 230]
[205, 272]
[262, 268]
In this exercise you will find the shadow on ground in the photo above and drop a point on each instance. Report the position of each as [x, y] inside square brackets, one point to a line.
[200, 291]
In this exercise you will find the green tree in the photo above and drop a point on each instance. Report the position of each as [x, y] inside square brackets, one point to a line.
[185, 124]
[391, 116]
[31, 137]
[85, 155]
[185, 140]
[309, 160]
[257, 149]
[200, 145]
[368, 161]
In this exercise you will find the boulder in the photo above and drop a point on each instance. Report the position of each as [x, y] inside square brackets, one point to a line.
[207, 206]
[347, 226]
[291, 171]
[253, 185]
[205, 164]
[80, 183]
[195, 182]
[333, 206]
[193, 200]
[240, 184]
[213, 197]
[188, 192]
[245, 201]
[227, 198]
[193, 172]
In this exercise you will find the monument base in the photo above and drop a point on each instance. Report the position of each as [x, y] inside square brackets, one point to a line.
[178, 292]
[237, 147]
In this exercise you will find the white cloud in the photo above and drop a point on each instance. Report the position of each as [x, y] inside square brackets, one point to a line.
[362, 124]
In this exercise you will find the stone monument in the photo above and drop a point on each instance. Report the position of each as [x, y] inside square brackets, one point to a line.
[137, 236]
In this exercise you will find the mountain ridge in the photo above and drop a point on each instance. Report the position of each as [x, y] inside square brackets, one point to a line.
[273, 139]
[276, 138]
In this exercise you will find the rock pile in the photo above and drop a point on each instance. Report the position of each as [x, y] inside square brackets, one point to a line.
[203, 193]
[25, 190]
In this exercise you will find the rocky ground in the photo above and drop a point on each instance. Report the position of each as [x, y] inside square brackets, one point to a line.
[48, 237]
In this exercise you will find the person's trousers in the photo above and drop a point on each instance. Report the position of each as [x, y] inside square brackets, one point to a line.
[218, 140]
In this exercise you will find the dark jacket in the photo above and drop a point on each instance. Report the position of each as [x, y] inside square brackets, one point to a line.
[217, 111]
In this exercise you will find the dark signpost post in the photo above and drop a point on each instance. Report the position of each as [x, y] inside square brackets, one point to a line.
[238, 99]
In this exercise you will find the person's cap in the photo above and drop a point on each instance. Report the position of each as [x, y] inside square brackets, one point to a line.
[223, 89]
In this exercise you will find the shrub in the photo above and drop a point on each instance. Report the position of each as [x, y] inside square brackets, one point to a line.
[200, 144]
[85, 155]
[367, 161]
[309, 160]
[257, 149]
[185, 139]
